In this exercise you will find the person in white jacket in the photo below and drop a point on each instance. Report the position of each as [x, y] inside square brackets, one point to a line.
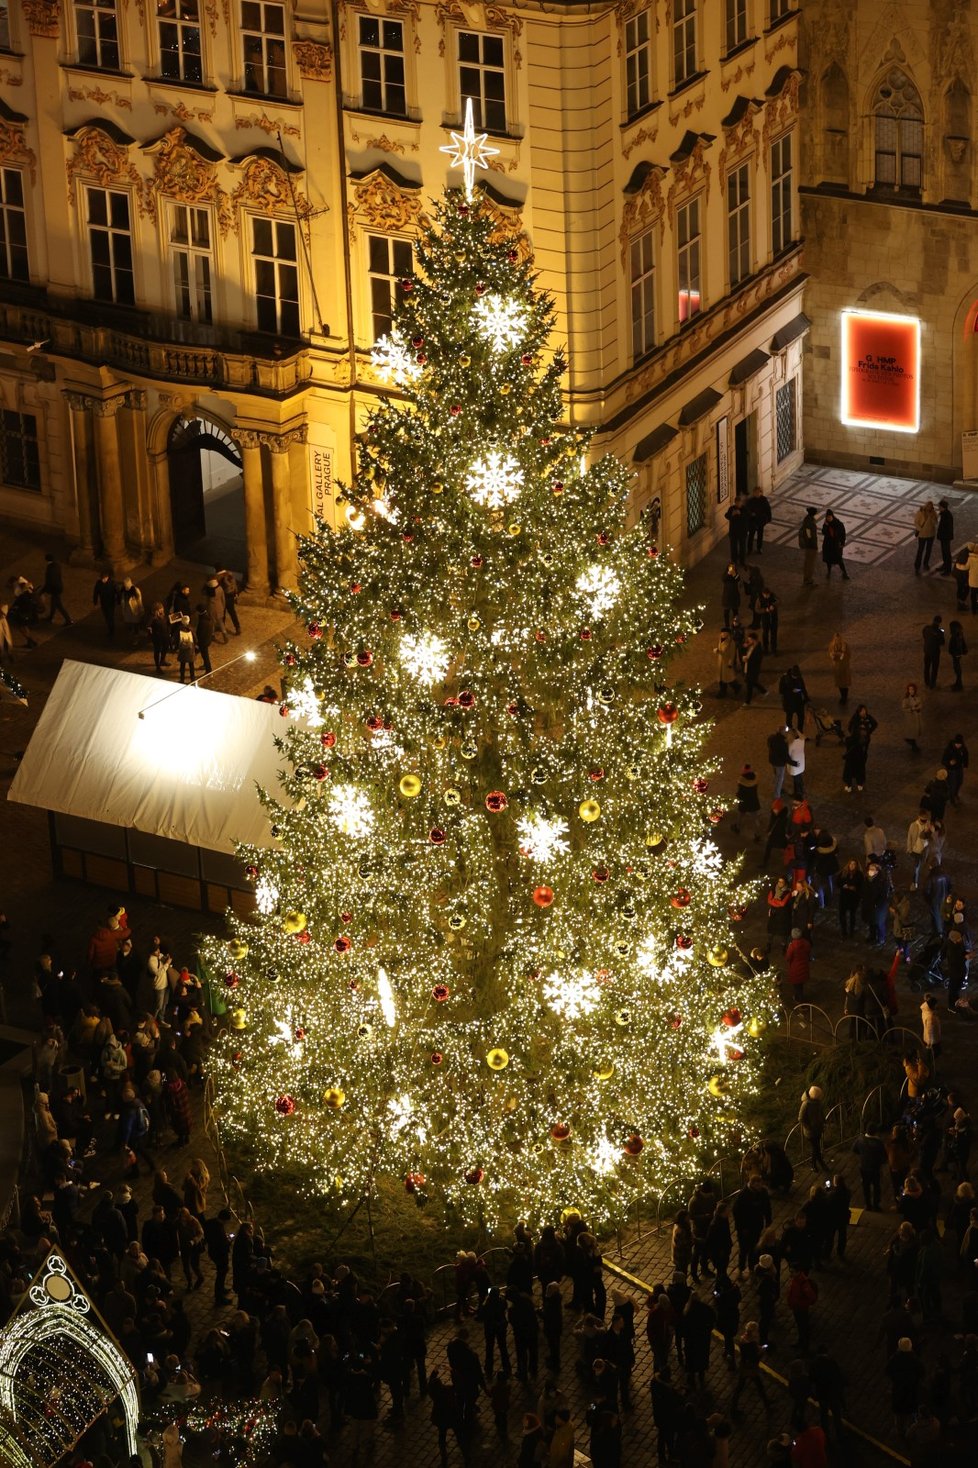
[796, 760]
[918, 844]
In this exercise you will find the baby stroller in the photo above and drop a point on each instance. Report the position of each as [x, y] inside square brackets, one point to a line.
[826, 725]
[925, 970]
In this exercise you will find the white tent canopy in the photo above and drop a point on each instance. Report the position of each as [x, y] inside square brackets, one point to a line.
[186, 769]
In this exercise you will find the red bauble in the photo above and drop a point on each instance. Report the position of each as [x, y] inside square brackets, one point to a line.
[736, 914]
[463, 209]
[668, 713]
[413, 1181]
[692, 1133]
[303, 937]
[560, 1131]
[558, 486]
[701, 785]
[407, 537]
[342, 944]
[496, 801]
[327, 740]
[682, 898]
[455, 409]
[585, 634]
[395, 615]
[601, 874]
[480, 288]
[440, 993]
[321, 772]
[232, 980]
[543, 896]
[683, 942]
[355, 588]
[300, 1035]
[527, 359]
[676, 1022]
[285, 1105]
[540, 635]
[476, 562]
[365, 658]
[283, 709]
[634, 1145]
[731, 1018]
[436, 836]
[716, 816]
[417, 342]
[290, 659]
[374, 722]
[451, 702]
[407, 285]
[347, 917]
[421, 359]
[251, 871]
[603, 537]
[314, 630]
[474, 1176]
[512, 256]
[596, 774]
[466, 699]
[654, 652]
[653, 551]
[513, 708]
[436, 1057]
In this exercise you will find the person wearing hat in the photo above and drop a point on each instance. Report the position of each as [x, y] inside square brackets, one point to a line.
[531, 1442]
[811, 1117]
[186, 649]
[808, 545]
[748, 803]
[826, 864]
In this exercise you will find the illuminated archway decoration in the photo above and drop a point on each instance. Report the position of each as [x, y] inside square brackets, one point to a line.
[60, 1369]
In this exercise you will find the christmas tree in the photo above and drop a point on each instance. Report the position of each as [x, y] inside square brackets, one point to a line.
[494, 957]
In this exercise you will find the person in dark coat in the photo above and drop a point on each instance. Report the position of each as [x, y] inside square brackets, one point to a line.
[699, 1318]
[777, 758]
[758, 512]
[492, 1313]
[106, 597]
[736, 518]
[218, 1247]
[871, 1154]
[730, 593]
[667, 1411]
[751, 1216]
[467, 1380]
[955, 761]
[833, 545]
[875, 900]
[808, 545]
[933, 638]
[945, 535]
[548, 1257]
[957, 648]
[53, 589]
[753, 657]
[204, 633]
[767, 610]
[748, 803]
[178, 1109]
[794, 697]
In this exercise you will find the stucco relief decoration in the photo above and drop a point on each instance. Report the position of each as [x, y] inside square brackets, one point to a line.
[14, 150]
[738, 142]
[270, 126]
[691, 176]
[383, 144]
[314, 60]
[644, 135]
[99, 97]
[508, 226]
[951, 40]
[43, 17]
[179, 172]
[479, 17]
[830, 37]
[10, 78]
[736, 77]
[379, 203]
[99, 160]
[643, 210]
[782, 111]
[624, 11]
[265, 186]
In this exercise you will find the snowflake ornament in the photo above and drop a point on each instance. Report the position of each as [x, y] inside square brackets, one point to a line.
[572, 997]
[394, 361]
[541, 838]
[424, 657]
[502, 322]
[304, 704]
[266, 896]
[600, 587]
[350, 811]
[495, 480]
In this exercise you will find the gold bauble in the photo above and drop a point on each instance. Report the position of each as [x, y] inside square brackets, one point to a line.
[756, 1027]
[511, 1103]
[453, 796]
[437, 487]
[514, 529]
[655, 841]
[410, 786]
[758, 955]
[717, 957]
[606, 1071]
[237, 948]
[457, 921]
[239, 1019]
[469, 750]
[438, 741]
[464, 360]
[334, 1098]
[717, 1086]
[497, 1059]
[474, 624]
[294, 922]
[589, 810]
[505, 388]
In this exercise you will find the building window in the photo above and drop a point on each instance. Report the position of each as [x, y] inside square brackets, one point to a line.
[110, 243]
[263, 27]
[643, 295]
[482, 76]
[20, 463]
[180, 54]
[688, 260]
[899, 121]
[13, 227]
[4, 27]
[781, 184]
[684, 41]
[638, 63]
[736, 23]
[778, 9]
[786, 428]
[276, 276]
[193, 265]
[738, 224]
[382, 65]
[389, 262]
[696, 495]
[98, 34]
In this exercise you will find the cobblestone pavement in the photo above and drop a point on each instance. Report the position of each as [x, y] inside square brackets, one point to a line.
[881, 611]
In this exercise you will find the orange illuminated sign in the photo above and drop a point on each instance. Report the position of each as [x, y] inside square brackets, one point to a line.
[880, 371]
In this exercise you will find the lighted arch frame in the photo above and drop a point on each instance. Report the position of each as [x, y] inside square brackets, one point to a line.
[880, 385]
[60, 1308]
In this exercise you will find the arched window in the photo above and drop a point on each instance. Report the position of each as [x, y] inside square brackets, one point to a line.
[899, 122]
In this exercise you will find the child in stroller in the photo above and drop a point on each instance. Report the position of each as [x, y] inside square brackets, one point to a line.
[826, 725]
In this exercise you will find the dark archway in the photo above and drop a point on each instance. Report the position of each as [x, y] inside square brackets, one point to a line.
[206, 492]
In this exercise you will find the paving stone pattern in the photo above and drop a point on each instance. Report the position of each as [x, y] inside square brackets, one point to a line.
[881, 611]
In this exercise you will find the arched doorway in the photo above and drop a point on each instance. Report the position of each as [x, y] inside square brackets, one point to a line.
[206, 492]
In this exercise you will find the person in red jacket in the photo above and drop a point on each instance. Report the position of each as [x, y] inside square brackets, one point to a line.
[808, 1449]
[798, 957]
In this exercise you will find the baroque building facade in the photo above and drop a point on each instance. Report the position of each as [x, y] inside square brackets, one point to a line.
[888, 201]
[206, 211]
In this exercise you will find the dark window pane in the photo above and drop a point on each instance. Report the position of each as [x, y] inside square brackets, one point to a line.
[290, 319]
[403, 257]
[492, 50]
[378, 255]
[369, 31]
[262, 236]
[265, 278]
[468, 46]
[120, 211]
[285, 241]
[97, 212]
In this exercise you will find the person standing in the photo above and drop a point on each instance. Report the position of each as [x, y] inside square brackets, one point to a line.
[758, 512]
[753, 657]
[850, 893]
[159, 631]
[912, 716]
[131, 603]
[955, 761]
[186, 650]
[794, 696]
[748, 803]
[777, 754]
[736, 518]
[808, 545]
[798, 957]
[725, 653]
[796, 759]
[840, 657]
[730, 593]
[933, 638]
[229, 584]
[801, 1297]
[205, 635]
[833, 545]
[53, 589]
[945, 534]
[919, 834]
[957, 648]
[811, 1115]
[767, 610]
[871, 1155]
[925, 528]
[217, 606]
[105, 596]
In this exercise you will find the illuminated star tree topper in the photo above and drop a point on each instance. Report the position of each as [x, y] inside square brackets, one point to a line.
[469, 150]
